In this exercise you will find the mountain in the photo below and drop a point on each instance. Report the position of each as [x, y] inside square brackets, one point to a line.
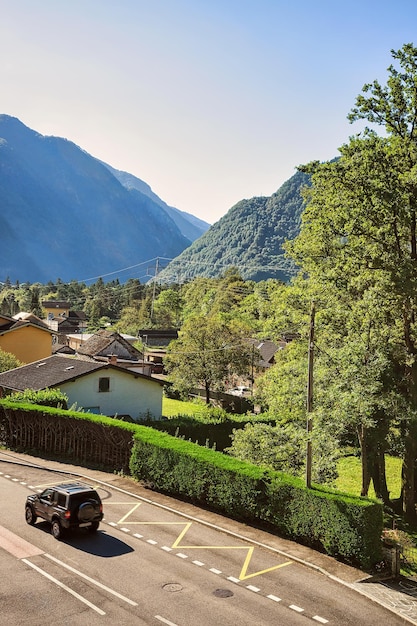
[190, 226]
[250, 237]
[65, 214]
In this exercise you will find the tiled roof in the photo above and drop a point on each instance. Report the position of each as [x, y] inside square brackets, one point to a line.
[55, 370]
[55, 304]
[48, 372]
[100, 344]
[27, 320]
[266, 349]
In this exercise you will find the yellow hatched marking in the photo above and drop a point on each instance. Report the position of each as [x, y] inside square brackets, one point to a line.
[129, 513]
[244, 576]
[187, 525]
[181, 535]
[243, 573]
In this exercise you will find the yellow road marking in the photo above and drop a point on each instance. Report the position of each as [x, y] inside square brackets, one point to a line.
[244, 576]
[243, 573]
[129, 513]
[187, 525]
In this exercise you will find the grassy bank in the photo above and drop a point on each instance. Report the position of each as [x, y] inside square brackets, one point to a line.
[350, 476]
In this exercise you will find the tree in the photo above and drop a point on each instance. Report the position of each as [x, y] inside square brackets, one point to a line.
[357, 243]
[207, 352]
[167, 309]
[8, 361]
[394, 106]
[276, 447]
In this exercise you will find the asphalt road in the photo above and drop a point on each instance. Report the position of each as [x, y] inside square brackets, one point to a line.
[149, 565]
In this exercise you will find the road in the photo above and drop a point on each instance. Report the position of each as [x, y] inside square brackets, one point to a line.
[149, 565]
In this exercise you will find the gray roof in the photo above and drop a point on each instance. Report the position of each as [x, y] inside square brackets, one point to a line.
[54, 371]
[102, 341]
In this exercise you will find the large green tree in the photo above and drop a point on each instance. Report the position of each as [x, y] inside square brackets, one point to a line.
[208, 352]
[358, 240]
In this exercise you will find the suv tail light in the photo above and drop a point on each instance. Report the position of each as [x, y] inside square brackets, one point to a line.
[101, 508]
[67, 514]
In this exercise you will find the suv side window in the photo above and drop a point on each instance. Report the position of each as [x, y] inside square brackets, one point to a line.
[62, 499]
[47, 495]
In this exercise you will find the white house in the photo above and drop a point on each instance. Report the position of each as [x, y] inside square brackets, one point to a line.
[98, 387]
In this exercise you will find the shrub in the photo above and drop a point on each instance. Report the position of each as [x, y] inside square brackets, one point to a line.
[43, 397]
[343, 526]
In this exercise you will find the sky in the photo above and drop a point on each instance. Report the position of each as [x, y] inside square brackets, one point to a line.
[207, 101]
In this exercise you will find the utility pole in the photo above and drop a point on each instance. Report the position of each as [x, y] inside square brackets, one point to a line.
[310, 394]
[154, 286]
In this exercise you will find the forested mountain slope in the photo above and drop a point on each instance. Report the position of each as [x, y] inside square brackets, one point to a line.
[250, 237]
[64, 214]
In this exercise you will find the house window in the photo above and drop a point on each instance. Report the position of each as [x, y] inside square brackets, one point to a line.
[104, 384]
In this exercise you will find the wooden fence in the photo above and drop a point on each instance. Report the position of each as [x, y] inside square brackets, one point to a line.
[80, 440]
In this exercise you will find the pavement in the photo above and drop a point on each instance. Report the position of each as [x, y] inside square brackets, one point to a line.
[398, 596]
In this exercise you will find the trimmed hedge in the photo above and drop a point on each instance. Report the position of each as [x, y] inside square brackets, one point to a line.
[212, 433]
[343, 526]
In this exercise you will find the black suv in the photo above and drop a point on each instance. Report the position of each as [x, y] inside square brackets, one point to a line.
[69, 505]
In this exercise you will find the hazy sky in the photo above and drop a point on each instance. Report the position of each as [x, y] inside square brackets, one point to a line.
[208, 101]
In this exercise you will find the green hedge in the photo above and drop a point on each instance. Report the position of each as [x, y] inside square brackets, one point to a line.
[212, 433]
[343, 526]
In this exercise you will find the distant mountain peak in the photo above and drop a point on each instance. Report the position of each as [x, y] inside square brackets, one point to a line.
[250, 237]
[64, 214]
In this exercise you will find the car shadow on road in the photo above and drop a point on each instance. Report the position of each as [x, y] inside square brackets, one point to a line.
[98, 543]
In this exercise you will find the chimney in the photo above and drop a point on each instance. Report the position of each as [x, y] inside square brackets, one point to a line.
[113, 359]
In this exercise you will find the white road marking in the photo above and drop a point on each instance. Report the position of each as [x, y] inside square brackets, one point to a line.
[298, 609]
[181, 555]
[125, 530]
[274, 598]
[320, 619]
[215, 571]
[165, 621]
[166, 548]
[252, 588]
[199, 563]
[138, 536]
[60, 584]
[152, 542]
[92, 580]
[233, 580]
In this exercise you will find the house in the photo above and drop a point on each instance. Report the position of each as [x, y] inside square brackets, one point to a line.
[97, 387]
[61, 319]
[25, 336]
[155, 337]
[107, 343]
[266, 350]
[56, 307]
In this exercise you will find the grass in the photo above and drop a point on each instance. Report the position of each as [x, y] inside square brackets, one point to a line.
[172, 408]
[350, 476]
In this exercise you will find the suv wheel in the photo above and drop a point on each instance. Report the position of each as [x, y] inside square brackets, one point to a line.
[29, 515]
[94, 527]
[56, 529]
